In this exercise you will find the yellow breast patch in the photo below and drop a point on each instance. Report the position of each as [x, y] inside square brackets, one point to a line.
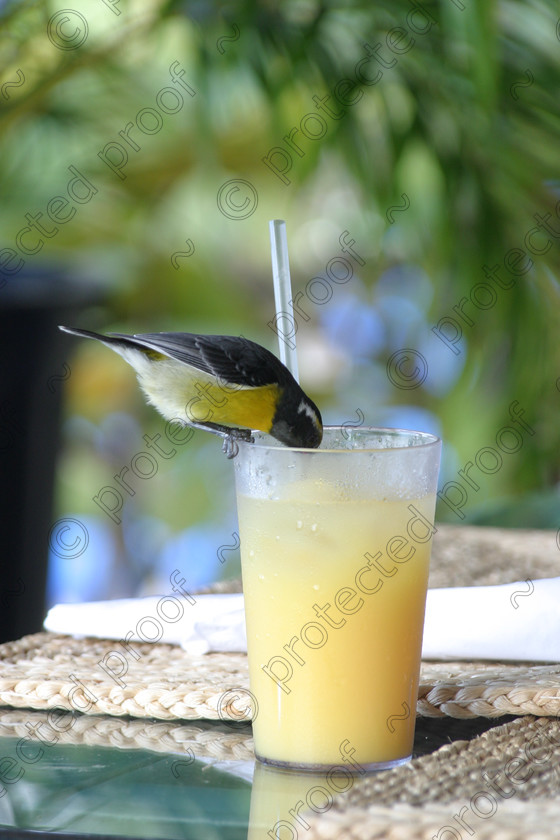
[252, 408]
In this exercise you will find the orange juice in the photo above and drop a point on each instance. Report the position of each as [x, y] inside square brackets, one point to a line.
[335, 590]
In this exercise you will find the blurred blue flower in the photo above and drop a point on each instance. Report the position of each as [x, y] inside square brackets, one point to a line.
[144, 538]
[444, 366]
[194, 552]
[78, 429]
[354, 326]
[402, 296]
[407, 282]
[403, 320]
[78, 573]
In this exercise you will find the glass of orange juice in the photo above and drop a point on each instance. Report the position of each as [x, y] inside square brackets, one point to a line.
[335, 550]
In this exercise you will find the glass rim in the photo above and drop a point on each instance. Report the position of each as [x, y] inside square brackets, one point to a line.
[427, 440]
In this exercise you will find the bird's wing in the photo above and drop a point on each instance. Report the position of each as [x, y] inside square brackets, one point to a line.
[234, 360]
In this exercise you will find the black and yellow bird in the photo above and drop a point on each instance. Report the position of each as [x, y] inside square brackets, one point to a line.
[220, 383]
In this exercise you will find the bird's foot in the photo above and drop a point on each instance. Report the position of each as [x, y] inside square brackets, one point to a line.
[230, 447]
[230, 436]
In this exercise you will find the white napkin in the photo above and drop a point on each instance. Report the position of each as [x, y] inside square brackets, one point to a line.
[514, 621]
[208, 622]
[518, 620]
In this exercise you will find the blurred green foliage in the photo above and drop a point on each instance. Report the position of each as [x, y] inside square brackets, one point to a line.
[463, 124]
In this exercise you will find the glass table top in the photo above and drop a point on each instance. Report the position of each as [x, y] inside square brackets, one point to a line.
[81, 790]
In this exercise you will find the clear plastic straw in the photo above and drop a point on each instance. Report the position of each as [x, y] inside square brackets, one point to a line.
[282, 290]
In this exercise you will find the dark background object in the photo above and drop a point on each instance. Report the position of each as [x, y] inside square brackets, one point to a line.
[33, 366]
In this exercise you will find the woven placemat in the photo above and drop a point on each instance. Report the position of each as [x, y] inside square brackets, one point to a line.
[49, 671]
[500, 785]
[466, 555]
[217, 741]
[97, 676]
[512, 821]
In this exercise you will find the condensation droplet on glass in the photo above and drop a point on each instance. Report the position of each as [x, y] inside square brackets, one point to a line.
[299, 524]
[314, 527]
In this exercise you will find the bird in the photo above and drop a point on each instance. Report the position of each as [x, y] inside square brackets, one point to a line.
[224, 384]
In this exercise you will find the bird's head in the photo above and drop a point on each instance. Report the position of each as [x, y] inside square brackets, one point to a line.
[298, 423]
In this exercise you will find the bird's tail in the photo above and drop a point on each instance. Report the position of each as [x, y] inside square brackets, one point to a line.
[133, 350]
[115, 341]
